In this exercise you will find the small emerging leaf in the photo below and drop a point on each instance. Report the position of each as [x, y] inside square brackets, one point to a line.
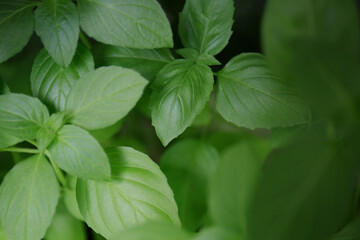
[78, 153]
[102, 97]
[205, 25]
[28, 198]
[137, 193]
[249, 95]
[126, 23]
[192, 54]
[181, 91]
[57, 24]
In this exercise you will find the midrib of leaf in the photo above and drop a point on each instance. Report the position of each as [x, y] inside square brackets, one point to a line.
[206, 27]
[17, 11]
[30, 194]
[260, 91]
[128, 16]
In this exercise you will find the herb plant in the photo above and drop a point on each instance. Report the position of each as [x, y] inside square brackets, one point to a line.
[258, 147]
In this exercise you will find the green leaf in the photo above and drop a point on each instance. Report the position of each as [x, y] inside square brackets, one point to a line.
[232, 187]
[102, 97]
[6, 140]
[310, 186]
[48, 132]
[51, 83]
[4, 89]
[307, 51]
[65, 226]
[192, 54]
[249, 95]
[16, 26]
[75, 151]
[127, 23]
[189, 165]
[216, 233]
[28, 198]
[152, 231]
[350, 232]
[57, 24]
[205, 25]
[181, 91]
[70, 197]
[21, 116]
[137, 193]
[147, 62]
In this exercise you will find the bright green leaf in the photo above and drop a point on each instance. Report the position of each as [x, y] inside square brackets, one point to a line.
[78, 153]
[28, 198]
[51, 83]
[181, 91]
[57, 24]
[21, 116]
[306, 191]
[16, 26]
[189, 165]
[147, 62]
[235, 179]
[350, 232]
[126, 23]
[152, 231]
[64, 226]
[249, 95]
[137, 193]
[205, 25]
[216, 233]
[102, 97]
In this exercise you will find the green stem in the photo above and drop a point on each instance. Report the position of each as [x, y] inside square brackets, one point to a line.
[16, 157]
[57, 170]
[85, 40]
[21, 150]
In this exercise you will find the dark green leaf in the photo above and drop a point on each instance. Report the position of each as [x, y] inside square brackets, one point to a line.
[21, 116]
[4, 89]
[350, 232]
[152, 231]
[315, 44]
[188, 165]
[126, 23]
[249, 95]
[205, 25]
[137, 193]
[78, 153]
[234, 182]
[64, 226]
[147, 62]
[181, 91]
[28, 198]
[51, 83]
[16, 26]
[57, 24]
[102, 97]
[306, 191]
